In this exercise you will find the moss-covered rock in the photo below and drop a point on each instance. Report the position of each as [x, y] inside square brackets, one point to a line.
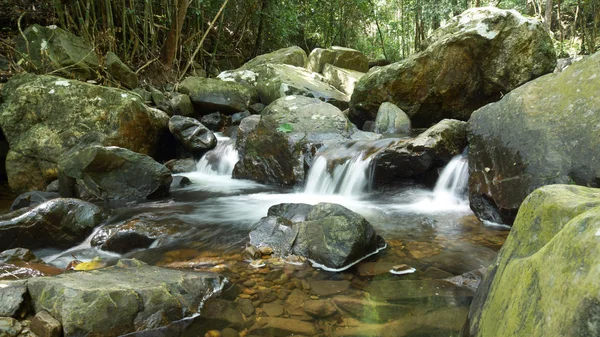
[544, 281]
[128, 297]
[120, 71]
[544, 132]
[44, 117]
[294, 56]
[211, 95]
[479, 56]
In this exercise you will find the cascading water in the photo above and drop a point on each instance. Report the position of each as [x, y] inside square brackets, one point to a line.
[220, 160]
[451, 186]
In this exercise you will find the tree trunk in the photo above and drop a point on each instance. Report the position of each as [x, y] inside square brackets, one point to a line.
[169, 48]
[261, 25]
[548, 20]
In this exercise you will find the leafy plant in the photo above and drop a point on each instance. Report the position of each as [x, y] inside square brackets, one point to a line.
[285, 128]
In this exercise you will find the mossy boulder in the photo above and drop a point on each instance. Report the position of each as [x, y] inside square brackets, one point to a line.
[58, 223]
[45, 117]
[128, 297]
[294, 56]
[120, 71]
[475, 59]
[341, 57]
[211, 95]
[112, 173]
[553, 246]
[544, 132]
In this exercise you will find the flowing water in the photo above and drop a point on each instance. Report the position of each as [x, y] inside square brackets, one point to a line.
[432, 231]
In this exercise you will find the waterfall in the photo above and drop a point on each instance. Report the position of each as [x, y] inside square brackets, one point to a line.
[220, 160]
[451, 186]
[348, 178]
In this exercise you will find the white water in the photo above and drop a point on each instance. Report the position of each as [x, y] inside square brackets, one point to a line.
[349, 178]
[221, 159]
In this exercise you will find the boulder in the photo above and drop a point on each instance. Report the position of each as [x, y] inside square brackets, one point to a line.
[273, 81]
[271, 150]
[32, 198]
[216, 121]
[337, 56]
[182, 105]
[342, 79]
[193, 135]
[293, 56]
[58, 223]
[430, 150]
[391, 119]
[44, 117]
[212, 95]
[332, 236]
[120, 71]
[553, 245]
[475, 59]
[112, 173]
[128, 297]
[52, 48]
[544, 132]
[13, 299]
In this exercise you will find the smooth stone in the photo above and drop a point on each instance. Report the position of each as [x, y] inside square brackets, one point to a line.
[328, 287]
[280, 327]
[273, 309]
[319, 308]
[246, 306]
[227, 313]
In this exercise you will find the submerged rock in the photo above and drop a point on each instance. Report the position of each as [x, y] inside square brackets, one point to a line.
[45, 117]
[332, 235]
[475, 59]
[553, 245]
[124, 298]
[58, 223]
[213, 95]
[544, 132]
[111, 173]
[193, 135]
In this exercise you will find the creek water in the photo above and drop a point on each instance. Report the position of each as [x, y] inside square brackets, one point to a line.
[432, 231]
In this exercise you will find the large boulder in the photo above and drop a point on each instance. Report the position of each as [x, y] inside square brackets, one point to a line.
[44, 117]
[128, 297]
[342, 79]
[273, 81]
[193, 135]
[341, 57]
[476, 58]
[58, 223]
[553, 246]
[211, 95]
[294, 56]
[271, 149]
[112, 173]
[416, 157]
[544, 132]
[391, 119]
[51, 48]
[331, 235]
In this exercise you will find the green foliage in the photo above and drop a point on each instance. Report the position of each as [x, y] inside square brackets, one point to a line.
[285, 128]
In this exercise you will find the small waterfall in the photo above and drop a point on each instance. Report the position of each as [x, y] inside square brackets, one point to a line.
[220, 160]
[451, 186]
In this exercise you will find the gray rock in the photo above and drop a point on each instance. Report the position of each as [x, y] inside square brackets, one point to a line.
[53, 186]
[145, 297]
[110, 173]
[294, 56]
[13, 296]
[182, 105]
[120, 71]
[476, 58]
[33, 198]
[181, 165]
[58, 223]
[44, 325]
[9, 327]
[256, 108]
[215, 121]
[212, 95]
[342, 79]
[276, 233]
[237, 117]
[341, 57]
[391, 119]
[193, 135]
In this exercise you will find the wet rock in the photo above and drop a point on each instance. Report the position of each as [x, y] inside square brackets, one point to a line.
[33, 198]
[44, 325]
[76, 115]
[342, 79]
[212, 95]
[59, 223]
[476, 58]
[145, 297]
[9, 327]
[294, 56]
[337, 56]
[554, 224]
[273, 309]
[180, 181]
[222, 313]
[215, 121]
[237, 117]
[111, 173]
[245, 306]
[292, 212]
[328, 287]
[319, 308]
[512, 152]
[193, 135]
[17, 255]
[280, 327]
[247, 126]
[377, 312]
[135, 234]
[181, 165]
[294, 304]
[120, 71]
[470, 280]
[391, 119]
[275, 233]
[256, 108]
[13, 296]
[432, 149]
